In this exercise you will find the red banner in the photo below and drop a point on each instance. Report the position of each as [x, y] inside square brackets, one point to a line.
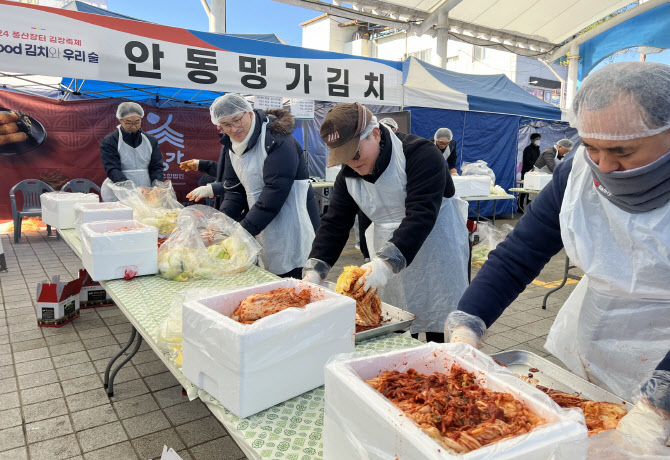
[74, 130]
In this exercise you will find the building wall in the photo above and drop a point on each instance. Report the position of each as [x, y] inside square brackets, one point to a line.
[316, 35]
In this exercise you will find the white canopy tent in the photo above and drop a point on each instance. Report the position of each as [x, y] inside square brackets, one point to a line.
[544, 29]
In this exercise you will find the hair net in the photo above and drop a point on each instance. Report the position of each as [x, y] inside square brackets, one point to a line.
[565, 143]
[228, 106]
[127, 109]
[625, 100]
[368, 129]
[444, 132]
[390, 122]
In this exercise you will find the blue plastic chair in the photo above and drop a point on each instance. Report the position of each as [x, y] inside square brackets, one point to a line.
[31, 190]
[80, 186]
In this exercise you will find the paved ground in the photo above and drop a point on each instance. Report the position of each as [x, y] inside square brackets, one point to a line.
[53, 405]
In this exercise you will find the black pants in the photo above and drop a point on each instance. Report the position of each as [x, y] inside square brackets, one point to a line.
[363, 224]
[295, 273]
[437, 337]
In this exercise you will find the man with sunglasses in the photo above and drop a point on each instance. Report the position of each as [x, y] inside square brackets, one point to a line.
[128, 153]
[265, 182]
[418, 238]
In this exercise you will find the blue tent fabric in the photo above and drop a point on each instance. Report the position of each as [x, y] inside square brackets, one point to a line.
[647, 29]
[490, 137]
[489, 93]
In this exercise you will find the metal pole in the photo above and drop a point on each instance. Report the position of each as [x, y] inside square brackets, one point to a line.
[573, 69]
[217, 18]
[442, 38]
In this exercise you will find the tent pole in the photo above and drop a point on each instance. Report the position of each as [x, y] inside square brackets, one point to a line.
[573, 69]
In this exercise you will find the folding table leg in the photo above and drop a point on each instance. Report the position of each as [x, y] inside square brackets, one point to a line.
[133, 334]
[110, 384]
[565, 279]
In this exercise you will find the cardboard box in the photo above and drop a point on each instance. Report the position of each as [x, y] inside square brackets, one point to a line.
[108, 253]
[58, 207]
[57, 302]
[92, 294]
[249, 368]
[472, 185]
[362, 423]
[96, 212]
[536, 181]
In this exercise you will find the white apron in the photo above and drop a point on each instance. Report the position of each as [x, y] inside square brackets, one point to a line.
[434, 282]
[287, 240]
[614, 328]
[134, 164]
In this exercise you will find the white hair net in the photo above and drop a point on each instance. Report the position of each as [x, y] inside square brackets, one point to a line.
[444, 132]
[228, 106]
[625, 100]
[368, 129]
[128, 109]
[565, 143]
[390, 122]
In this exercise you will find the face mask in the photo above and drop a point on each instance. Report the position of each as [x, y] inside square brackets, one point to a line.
[536, 143]
[637, 190]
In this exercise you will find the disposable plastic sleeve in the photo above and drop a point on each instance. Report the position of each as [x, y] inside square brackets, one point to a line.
[390, 254]
[657, 390]
[316, 265]
[461, 318]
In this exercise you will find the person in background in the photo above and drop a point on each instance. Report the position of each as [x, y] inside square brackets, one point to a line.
[391, 123]
[531, 153]
[128, 153]
[609, 207]
[418, 238]
[265, 172]
[444, 139]
[548, 160]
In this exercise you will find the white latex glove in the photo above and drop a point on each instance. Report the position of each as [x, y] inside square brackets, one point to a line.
[201, 192]
[312, 276]
[378, 274]
[463, 334]
[646, 423]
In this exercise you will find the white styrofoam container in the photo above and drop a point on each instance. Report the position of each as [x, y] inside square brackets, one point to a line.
[107, 256]
[95, 212]
[536, 181]
[362, 423]
[249, 368]
[58, 207]
[472, 185]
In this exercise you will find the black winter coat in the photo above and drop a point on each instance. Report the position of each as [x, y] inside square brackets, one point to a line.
[284, 164]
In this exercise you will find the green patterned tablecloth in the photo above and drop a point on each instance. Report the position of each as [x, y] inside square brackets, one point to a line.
[291, 430]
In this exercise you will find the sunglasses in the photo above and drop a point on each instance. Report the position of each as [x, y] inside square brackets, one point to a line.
[357, 155]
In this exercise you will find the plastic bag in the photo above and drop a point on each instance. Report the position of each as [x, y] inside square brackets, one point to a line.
[156, 206]
[489, 237]
[610, 445]
[169, 336]
[478, 168]
[206, 244]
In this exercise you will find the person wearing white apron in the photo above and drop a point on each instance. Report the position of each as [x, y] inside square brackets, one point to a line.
[130, 154]
[419, 244]
[444, 139]
[609, 206]
[266, 182]
[550, 158]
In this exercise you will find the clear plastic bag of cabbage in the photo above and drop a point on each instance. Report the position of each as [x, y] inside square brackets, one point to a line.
[206, 244]
[156, 206]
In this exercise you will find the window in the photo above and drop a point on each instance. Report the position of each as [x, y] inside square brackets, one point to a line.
[478, 53]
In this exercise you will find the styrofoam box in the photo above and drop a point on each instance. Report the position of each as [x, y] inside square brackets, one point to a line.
[249, 368]
[107, 255]
[58, 207]
[472, 185]
[362, 423]
[96, 212]
[536, 181]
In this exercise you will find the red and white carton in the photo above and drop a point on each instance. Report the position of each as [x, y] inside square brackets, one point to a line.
[92, 294]
[57, 302]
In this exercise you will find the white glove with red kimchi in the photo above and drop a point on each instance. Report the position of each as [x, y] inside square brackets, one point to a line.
[377, 274]
[646, 423]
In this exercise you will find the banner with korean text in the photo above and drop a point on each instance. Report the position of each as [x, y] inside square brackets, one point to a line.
[62, 43]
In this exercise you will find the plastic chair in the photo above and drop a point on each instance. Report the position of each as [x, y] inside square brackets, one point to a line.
[32, 207]
[80, 186]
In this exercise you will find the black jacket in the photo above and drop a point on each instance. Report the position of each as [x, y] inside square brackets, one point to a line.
[215, 170]
[427, 182]
[283, 165]
[530, 155]
[112, 161]
[452, 159]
